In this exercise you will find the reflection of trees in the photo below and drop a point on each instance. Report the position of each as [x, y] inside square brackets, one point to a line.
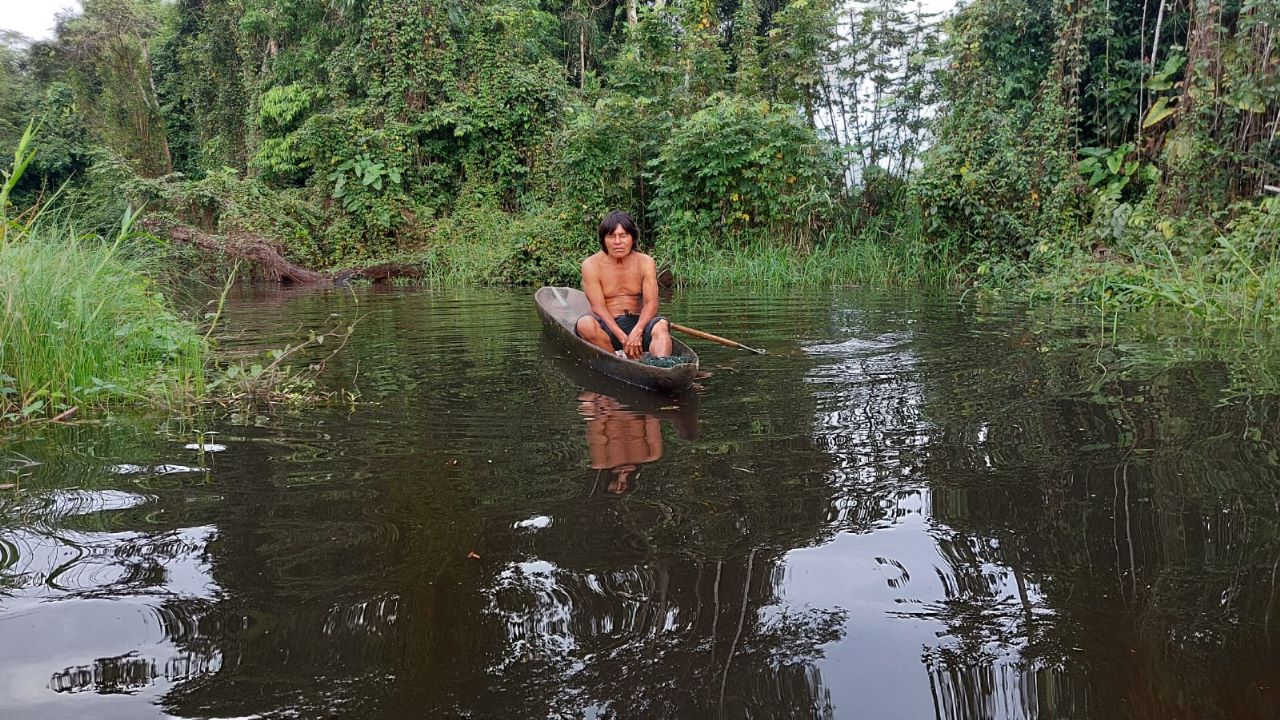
[131, 671]
[713, 635]
[1110, 541]
[78, 532]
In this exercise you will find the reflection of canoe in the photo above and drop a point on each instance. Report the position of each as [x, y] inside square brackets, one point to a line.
[681, 409]
[560, 308]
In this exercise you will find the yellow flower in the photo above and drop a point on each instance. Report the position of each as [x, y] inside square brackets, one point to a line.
[734, 197]
[791, 179]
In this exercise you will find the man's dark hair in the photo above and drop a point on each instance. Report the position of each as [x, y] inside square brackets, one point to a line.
[613, 220]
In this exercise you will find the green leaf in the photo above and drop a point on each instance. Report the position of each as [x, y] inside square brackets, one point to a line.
[1158, 112]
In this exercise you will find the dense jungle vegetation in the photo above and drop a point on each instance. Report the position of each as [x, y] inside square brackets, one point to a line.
[1096, 147]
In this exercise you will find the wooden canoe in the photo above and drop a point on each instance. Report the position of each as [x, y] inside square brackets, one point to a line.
[560, 308]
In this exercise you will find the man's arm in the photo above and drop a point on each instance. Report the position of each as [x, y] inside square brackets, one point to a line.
[595, 297]
[648, 311]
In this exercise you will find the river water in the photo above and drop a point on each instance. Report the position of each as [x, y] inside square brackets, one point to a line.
[914, 506]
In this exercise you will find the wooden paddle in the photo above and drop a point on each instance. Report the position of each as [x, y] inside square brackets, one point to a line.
[713, 338]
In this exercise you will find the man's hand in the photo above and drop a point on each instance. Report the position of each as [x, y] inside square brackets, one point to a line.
[634, 344]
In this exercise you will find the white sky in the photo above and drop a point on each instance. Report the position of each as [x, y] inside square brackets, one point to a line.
[33, 18]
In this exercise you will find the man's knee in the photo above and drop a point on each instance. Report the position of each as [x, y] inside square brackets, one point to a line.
[659, 330]
[587, 326]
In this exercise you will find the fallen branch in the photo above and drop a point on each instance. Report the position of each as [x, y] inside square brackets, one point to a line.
[266, 258]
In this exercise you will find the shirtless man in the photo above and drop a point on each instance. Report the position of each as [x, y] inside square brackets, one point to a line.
[622, 287]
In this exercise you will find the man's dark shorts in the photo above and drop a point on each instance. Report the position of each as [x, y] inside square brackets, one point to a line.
[627, 323]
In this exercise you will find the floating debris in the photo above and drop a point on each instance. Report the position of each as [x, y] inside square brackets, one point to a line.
[128, 469]
[205, 447]
[538, 522]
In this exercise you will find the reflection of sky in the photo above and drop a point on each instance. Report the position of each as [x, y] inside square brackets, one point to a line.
[866, 668]
[99, 613]
[902, 575]
[897, 572]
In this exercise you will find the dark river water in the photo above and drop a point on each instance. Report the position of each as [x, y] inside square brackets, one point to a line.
[914, 506]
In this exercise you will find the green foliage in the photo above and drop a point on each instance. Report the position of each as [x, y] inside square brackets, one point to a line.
[17, 94]
[602, 153]
[106, 53]
[1003, 177]
[740, 165]
[1038, 137]
[798, 51]
[82, 325]
[281, 108]
[1227, 272]
[1112, 171]
[845, 260]
[476, 246]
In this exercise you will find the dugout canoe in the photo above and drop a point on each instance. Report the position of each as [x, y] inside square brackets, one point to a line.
[560, 308]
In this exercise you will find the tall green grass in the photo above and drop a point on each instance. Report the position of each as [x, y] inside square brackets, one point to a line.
[765, 264]
[1220, 276]
[81, 325]
[537, 248]
[892, 252]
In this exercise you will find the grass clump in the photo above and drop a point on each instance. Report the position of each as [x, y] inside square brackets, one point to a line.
[772, 264]
[1223, 270]
[82, 325]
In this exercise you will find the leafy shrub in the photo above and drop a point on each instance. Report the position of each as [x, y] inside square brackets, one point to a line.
[489, 246]
[740, 164]
[601, 156]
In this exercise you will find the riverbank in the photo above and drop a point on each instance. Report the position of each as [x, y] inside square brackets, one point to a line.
[1218, 271]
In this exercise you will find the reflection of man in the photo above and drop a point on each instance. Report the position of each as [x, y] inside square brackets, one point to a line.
[619, 440]
[622, 287]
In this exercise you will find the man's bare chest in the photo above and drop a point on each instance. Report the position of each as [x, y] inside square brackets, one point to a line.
[627, 280]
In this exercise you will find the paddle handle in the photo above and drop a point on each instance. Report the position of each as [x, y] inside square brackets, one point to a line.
[713, 338]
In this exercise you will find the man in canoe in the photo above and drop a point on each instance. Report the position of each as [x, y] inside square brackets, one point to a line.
[622, 286]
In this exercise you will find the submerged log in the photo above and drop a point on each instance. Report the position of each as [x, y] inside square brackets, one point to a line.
[267, 260]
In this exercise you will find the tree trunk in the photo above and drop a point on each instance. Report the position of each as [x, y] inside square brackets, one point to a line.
[268, 263]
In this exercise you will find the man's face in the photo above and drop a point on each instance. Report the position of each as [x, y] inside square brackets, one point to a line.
[618, 242]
